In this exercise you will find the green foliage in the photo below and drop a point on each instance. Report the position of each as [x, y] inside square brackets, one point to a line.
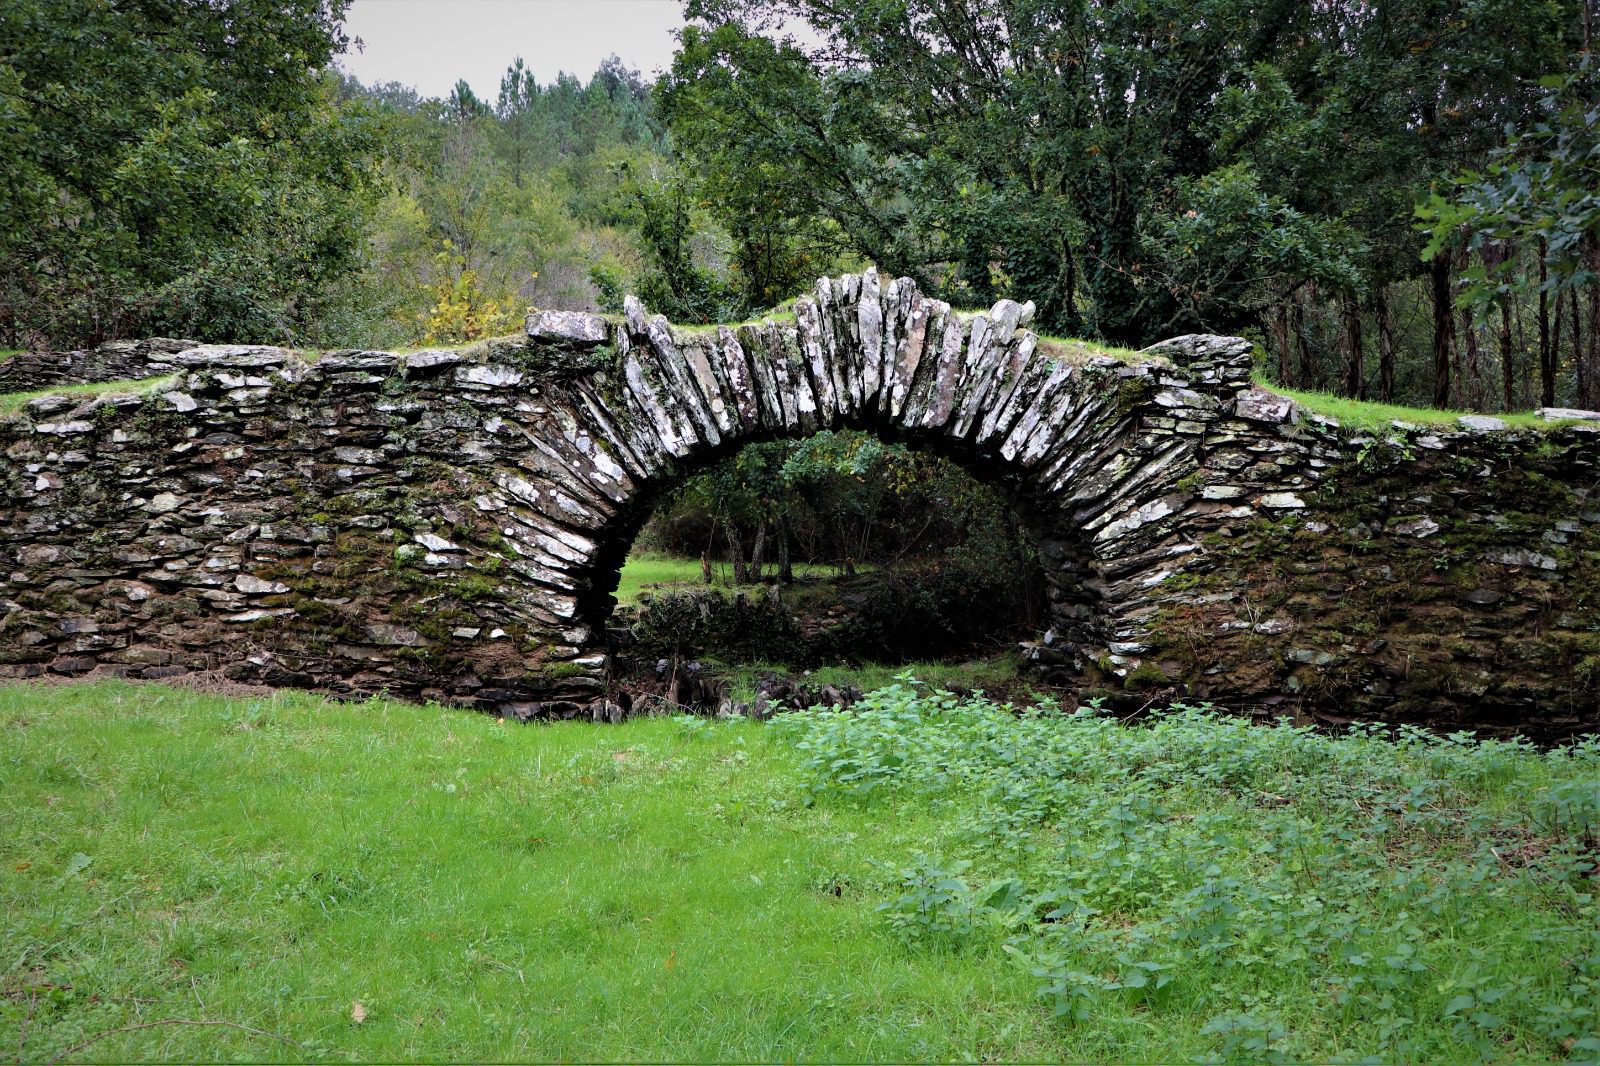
[1366, 414]
[529, 194]
[1224, 249]
[1083, 145]
[1542, 188]
[1292, 895]
[182, 168]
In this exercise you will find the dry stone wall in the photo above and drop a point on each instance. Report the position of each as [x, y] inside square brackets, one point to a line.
[112, 361]
[450, 524]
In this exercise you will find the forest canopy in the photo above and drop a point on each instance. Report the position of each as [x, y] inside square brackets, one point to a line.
[1396, 201]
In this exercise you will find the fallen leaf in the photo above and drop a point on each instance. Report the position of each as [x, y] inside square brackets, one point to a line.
[76, 865]
[671, 960]
[21, 866]
[358, 1013]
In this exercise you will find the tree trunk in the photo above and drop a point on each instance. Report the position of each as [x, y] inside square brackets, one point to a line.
[1443, 329]
[1470, 372]
[1355, 376]
[1547, 361]
[1380, 297]
[1580, 392]
[759, 552]
[741, 572]
[1508, 362]
[1555, 339]
[785, 564]
[1303, 349]
[1280, 337]
[1591, 372]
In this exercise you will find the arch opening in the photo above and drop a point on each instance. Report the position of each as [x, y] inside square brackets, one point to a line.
[833, 549]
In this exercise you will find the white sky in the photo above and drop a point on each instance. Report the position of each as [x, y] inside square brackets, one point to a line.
[431, 43]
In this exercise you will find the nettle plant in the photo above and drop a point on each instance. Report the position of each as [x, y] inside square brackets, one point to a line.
[1391, 890]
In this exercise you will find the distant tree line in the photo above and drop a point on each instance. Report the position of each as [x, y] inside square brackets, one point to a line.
[1396, 199]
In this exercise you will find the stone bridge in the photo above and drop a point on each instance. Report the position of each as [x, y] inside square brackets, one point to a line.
[450, 524]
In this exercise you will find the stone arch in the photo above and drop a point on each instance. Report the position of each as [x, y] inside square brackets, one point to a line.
[446, 524]
[1091, 449]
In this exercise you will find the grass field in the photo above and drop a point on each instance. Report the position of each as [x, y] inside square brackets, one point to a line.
[919, 880]
[653, 572]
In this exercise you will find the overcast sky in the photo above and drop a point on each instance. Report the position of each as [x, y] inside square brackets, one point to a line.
[431, 43]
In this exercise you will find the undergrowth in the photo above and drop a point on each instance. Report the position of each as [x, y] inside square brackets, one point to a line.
[1284, 894]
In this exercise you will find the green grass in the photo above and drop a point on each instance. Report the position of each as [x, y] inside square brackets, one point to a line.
[7, 353]
[1365, 414]
[12, 402]
[1077, 352]
[686, 890]
[653, 572]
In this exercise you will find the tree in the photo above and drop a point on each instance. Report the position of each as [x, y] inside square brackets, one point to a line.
[176, 166]
[1541, 190]
[984, 146]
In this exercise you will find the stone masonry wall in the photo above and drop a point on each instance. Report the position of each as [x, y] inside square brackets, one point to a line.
[112, 361]
[449, 525]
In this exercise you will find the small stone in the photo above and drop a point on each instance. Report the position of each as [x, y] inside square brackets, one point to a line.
[435, 543]
[575, 328]
[399, 636]
[1282, 501]
[49, 405]
[1221, 492]
[492, 376]
[1417, 527]
[1312, 657]
[258, 615]
[164, 502]
[1260, 405]
[465, 632]
[180, 401]
[252, 585]
[1521, 557]
[1562, 414]
[429, 360]
[1482, 597]
[38, 555]
[64, 428]
[1481, 424]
